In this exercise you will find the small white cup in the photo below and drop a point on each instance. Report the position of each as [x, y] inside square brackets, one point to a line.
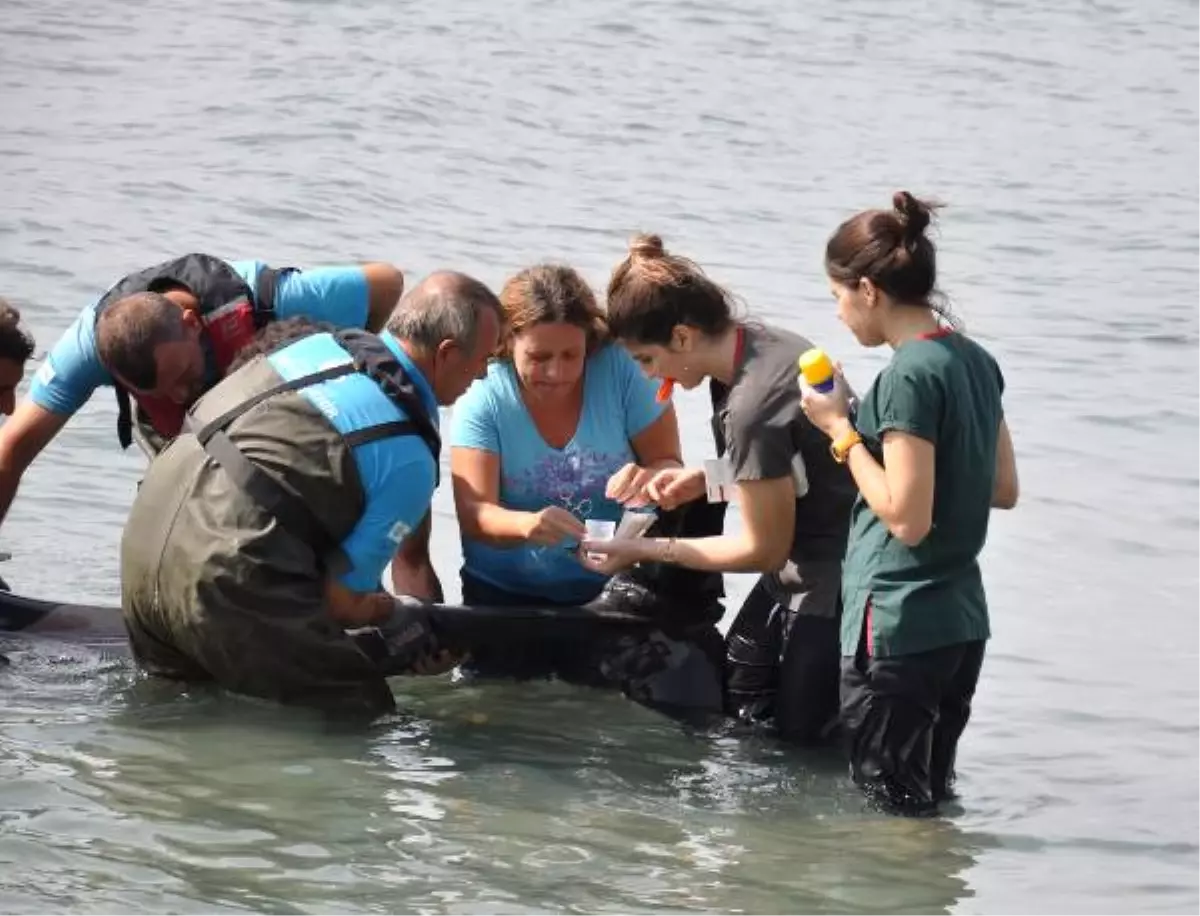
[599, 529]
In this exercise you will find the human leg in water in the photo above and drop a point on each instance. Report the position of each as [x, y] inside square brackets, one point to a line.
[753, 648]
[806, 708]
[953, 714]
[782, 662]
[901, 752]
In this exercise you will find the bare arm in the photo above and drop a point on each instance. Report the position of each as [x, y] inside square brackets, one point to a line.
[412, 571]
[476, 477]
[357, 609]
[1007, 487]
[900, 491]
[768, 519]
[29, 430]
[768, 509]
[656, 449]
[385, 286]
[657, 446]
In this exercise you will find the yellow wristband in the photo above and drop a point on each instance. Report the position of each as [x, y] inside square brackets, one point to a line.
[840, 449]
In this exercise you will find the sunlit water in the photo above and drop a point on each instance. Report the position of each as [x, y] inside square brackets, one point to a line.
[486, 137]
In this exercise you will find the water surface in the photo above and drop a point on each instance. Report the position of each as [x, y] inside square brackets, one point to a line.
[485, 137]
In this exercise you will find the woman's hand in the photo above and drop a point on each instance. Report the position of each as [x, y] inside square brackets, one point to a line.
[830, 413]
[628, 486]
[552, 526]
[610, 557]
[672, 487]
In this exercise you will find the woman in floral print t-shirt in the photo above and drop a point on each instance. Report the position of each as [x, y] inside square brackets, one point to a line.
[564, 428]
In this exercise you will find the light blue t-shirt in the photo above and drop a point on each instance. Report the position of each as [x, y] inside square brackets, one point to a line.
[618, 404]
[72, 370]
[398, 474]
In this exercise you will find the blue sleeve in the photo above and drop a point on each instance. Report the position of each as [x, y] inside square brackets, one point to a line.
[474, 423]
[399, 493]
[72, 370]
[339, 295]
[638, 392]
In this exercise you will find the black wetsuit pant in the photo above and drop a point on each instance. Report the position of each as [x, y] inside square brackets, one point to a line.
[782, 662]
[902, 717]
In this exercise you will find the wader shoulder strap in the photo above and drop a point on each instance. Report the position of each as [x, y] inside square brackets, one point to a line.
[374, 359]
[381, 431]
[264, 293]
[292, 513]
[719, 395]
[124, 416]
[220, 422]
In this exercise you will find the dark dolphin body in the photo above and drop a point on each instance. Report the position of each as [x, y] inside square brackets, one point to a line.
[95, 626]
[651, 633]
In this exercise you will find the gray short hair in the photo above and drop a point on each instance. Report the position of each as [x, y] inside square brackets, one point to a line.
[444, 306]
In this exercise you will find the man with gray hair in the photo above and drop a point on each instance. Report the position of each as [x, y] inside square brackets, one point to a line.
[258, 538]
[427, 318]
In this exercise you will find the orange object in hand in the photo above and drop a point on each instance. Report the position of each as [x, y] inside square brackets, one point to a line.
[665, 389]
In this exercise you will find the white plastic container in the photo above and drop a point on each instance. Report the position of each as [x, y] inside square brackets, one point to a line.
[599, 529]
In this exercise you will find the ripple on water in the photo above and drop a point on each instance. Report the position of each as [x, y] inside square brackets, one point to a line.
[484, 138]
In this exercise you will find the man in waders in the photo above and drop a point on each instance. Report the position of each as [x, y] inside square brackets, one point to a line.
[174, 328]
[260, 533]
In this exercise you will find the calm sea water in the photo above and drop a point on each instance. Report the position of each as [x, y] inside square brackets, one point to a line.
[484, 137]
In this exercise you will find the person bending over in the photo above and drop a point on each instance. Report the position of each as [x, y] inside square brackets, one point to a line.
[259, 534]
[782, 649]
[164, 335]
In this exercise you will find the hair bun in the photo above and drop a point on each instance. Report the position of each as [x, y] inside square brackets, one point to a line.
[914, 214]
[646, 247]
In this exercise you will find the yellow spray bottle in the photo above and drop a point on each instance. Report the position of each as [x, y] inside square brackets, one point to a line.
[817, 369]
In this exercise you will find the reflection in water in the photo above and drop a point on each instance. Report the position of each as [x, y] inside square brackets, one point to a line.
[526, 797]
[488, 136]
